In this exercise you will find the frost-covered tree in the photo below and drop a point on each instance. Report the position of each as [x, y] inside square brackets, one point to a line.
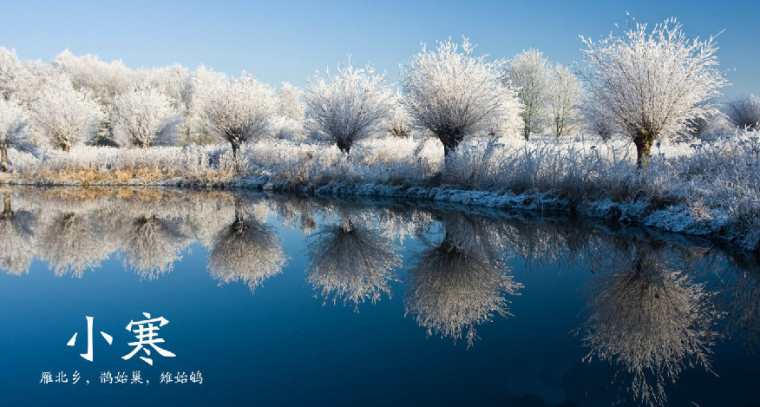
[240, 111]
[563, 100]
[744, 111]
[65, 116]
[142, 118]
[22, 81]
[202, 84]
[103, 80]
[351, 263]
[289, 103]
[530, 73]
[10, 73]
[455, 95]
[173, 81]
[13, 134]
[650, 83]
[399, 120]
[290, 113]
[346, 107]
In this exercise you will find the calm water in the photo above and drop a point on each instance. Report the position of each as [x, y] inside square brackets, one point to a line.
[276, 300]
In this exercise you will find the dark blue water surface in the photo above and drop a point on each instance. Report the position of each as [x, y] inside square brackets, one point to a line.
[282, 300]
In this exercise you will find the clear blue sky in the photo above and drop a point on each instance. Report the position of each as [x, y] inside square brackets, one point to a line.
[288, 40]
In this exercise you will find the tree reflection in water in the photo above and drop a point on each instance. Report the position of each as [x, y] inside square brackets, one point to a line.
[245, 250]
[462, 281]
[151, 245]
[17, 242]
[651, 320]
[72, 243]
[743, 295]
[352, 263]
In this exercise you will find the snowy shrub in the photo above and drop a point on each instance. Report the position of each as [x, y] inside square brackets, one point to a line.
[456, 95]
[346, 107]
[744, 112]
[650, 83]
[142, 118]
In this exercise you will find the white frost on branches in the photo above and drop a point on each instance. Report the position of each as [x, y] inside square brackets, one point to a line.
[530, 73]
[240, 111]
[564, 100]
[347, 107]
[455, 95]
[13, 130]
[352, 263]
[144, 117]
[651, 83]
[65, 116]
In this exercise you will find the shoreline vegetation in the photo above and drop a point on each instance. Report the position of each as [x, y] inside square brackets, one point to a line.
[637, 136]
[707, 189]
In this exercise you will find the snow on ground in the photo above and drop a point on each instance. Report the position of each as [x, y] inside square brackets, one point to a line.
[709, 188]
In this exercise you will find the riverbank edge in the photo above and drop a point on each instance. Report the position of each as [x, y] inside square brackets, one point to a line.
[670, 218]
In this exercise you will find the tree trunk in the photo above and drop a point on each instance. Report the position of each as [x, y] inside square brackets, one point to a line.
[235, 147]
[344, 146]
[4, 161]
[450, 142]
[7, 211]
[66, 148]
[644, 141]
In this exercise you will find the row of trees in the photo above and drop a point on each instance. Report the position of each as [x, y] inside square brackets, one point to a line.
[644, 84]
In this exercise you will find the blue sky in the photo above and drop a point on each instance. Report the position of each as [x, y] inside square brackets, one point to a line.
[288, 40]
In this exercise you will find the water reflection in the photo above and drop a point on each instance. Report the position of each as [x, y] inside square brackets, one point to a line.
[351, 262]
[460, 282]
[246, 250]
[151, 244]
[17, 242]
[655, 306]
[651, 320]
[72, 242]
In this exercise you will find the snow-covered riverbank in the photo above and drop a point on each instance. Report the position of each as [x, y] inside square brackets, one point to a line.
[701, 188]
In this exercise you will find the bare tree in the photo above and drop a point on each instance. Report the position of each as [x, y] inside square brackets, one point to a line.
[455, 95]
[144, 117]
[744, 111]
[346, 107]
[651, 83]
[530, 74]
